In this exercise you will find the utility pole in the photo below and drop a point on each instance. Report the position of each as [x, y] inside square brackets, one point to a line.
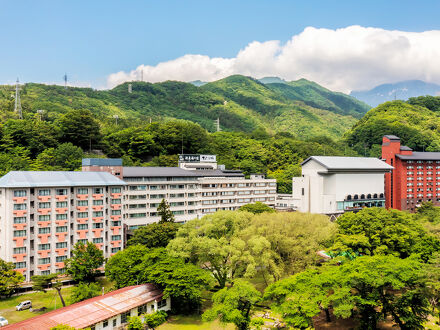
[65, 80]
[17, 107]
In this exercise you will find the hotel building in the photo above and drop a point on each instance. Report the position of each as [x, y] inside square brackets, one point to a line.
[415, 178]
[198, 186]
[43, 214]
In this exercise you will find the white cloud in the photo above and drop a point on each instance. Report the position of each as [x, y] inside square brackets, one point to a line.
[350, 58]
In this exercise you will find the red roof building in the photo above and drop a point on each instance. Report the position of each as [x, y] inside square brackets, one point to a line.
[415, 178]
[109, 311]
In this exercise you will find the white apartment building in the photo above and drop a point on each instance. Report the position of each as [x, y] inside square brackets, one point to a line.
[334, 185]
[198, 186]
[43, 214]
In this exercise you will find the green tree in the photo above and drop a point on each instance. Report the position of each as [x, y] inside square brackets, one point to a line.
[81, 128]
[379, 231]
[64, 157]
[234, 305]
[257, 208]
[163, 210]
[9, 278]
[372, 287]
[85, 261]
[63, 327]
[42, 282]
[181, 281]
[135, 323]
[84, 291]
[155, 319]
[124, 268]
[154, 235]
[212, 243]
[432, 273]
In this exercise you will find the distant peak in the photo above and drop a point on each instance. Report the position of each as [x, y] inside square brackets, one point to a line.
[272, 80]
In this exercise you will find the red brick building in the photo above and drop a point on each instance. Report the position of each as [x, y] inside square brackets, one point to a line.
[415, 178]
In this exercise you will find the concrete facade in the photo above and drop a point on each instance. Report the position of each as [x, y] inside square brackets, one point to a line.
[334, 185]
[43, 214]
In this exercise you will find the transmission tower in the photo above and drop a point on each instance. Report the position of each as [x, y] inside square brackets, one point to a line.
[217, 125]
[17, 107]
[65, 80]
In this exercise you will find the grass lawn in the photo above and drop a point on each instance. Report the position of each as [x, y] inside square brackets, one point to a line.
[50, 299]
[192, 322]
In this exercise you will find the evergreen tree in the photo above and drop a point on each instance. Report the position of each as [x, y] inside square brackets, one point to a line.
[165, 213]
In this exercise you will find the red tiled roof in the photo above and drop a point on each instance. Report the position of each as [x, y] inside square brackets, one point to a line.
[94, 310]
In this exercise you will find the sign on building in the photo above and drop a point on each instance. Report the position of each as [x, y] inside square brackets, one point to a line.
[197, 158]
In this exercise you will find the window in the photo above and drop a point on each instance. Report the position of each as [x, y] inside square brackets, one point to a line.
[98, 191]
[116, 212]
[61, 245]
[116, 237]
[61, 216]
[105, 324]
[45, 205]
[142, 309]
[161, 303]
[97, 214]
[44, 217]
[43, 261]
[98, 202]
[43, 246]
[19, 233]
[116, 249]
[98, 225]
[44, 192]
[83, 203]
[83, 226]
[98, 240]
[19, 193]
[20, 206]
[19, 219]
[62, 204]
[19, 250]
[116, 190]
[19, 265]
[137, 215]
[177, 203]
[178, 212]
[159, 196]
[61, 258]
[83, 191]
[61, 191]
[116, 223]
[83, 215]
[45, 230]
[115, 322]
[116, 201]
[61, 229]
[45, 272]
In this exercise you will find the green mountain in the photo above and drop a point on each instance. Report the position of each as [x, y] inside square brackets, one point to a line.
[416, 122]
[241, 103]
[317, 96]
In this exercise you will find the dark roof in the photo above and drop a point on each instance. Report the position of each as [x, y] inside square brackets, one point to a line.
[91, 311]
[417, 155]
[176, 171]
[392, 137]
[102, 162]
[405, 148]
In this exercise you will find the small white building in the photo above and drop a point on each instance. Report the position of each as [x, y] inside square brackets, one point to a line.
[334, 185]
[106, 312]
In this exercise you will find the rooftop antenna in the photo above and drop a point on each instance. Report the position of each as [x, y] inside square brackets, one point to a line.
[65, 80]
[17, 107]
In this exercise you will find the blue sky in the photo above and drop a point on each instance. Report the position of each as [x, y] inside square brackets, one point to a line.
[93, 39]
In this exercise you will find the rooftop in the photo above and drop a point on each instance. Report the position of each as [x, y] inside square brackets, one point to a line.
[29, 179]
[333, 163]
[392, 137]
[417, 155]
[177, 171]
[102, 162]
[91, 311]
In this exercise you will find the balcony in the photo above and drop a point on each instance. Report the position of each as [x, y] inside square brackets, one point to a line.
[61, 237]
[61, 222]
[19, 226]
[82, 220]
[61, 210]
[98, 196]
[116, 195]
[43, 253]
[19, 213]
[82, 208]
[97, 232]
[19, 200]
[44, 238]
[82, 233]
[98, 207]
[43, 223]
[44, 211]
[19, 257]
[19, 241]
[82, 197]
[61, 198]
[44, 198]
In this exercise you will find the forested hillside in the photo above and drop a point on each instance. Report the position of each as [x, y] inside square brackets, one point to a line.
[416, 122]
[242, 104]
